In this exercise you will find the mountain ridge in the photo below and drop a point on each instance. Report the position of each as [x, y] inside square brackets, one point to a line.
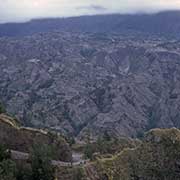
[157, 24]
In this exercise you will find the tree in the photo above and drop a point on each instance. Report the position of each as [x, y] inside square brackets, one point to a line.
[106, 136]
[24, 173]
[70, 140]
[89, 151]
[2, 109]
[7, 170]
[42, 168]
[78, 173]
[4, 153]
[7, 166]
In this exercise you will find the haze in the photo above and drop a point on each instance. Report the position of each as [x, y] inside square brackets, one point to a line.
[23, 10]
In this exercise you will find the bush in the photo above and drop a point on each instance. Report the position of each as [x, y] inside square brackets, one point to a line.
[24, 173]
[4, 153]
[41, 163]
[70, 140]
[2, 109]
[89, 151]
[7, 170]
[7, 166]
[41, 168]
[78, 173]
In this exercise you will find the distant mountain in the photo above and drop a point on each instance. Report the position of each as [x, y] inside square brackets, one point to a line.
[160, 24]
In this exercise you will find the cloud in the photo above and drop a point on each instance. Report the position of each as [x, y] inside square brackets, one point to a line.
[22, 10]
[93, 7]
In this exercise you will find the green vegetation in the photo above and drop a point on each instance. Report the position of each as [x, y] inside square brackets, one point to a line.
[7, 170]
[40, 168]
[102, 146]
[78, 173]
[24, 173]
[7, 166]
[157, 158]
[70, 140]
[89, 150]
[2, 108]
[4, 153]
[108, 144]
[41, 157]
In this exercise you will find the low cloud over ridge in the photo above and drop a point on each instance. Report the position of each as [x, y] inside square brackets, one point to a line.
[22, 10]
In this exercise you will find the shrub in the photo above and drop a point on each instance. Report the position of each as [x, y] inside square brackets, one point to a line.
[7, 170]
[41, 163]
[7, 166]
[78, 173]
[24, 173]
[2, 109]
[4, 153]
[89, 151]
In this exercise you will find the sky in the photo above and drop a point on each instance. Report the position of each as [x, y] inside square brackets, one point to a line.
[23, 10]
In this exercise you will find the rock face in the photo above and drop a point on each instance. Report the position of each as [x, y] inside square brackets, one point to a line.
[73, 82]
[156, 158]
[23, 139]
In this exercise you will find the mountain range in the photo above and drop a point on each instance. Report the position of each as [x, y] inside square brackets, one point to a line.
[158, 24]
[93, 74]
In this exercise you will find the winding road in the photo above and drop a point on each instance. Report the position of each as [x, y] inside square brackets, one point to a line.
[77, 159]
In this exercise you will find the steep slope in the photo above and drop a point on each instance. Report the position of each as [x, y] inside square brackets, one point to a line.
[23, 139]
[73, 82]
[156, 158]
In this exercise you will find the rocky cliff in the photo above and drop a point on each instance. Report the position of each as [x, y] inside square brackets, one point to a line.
[18, 138]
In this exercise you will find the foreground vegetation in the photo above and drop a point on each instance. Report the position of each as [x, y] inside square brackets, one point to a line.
[157, 158]
[40, 167]
[107, 145]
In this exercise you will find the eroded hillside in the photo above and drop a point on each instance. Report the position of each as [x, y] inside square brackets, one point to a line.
[72, 82]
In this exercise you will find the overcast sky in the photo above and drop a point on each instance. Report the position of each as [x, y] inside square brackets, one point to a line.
[22, 10]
